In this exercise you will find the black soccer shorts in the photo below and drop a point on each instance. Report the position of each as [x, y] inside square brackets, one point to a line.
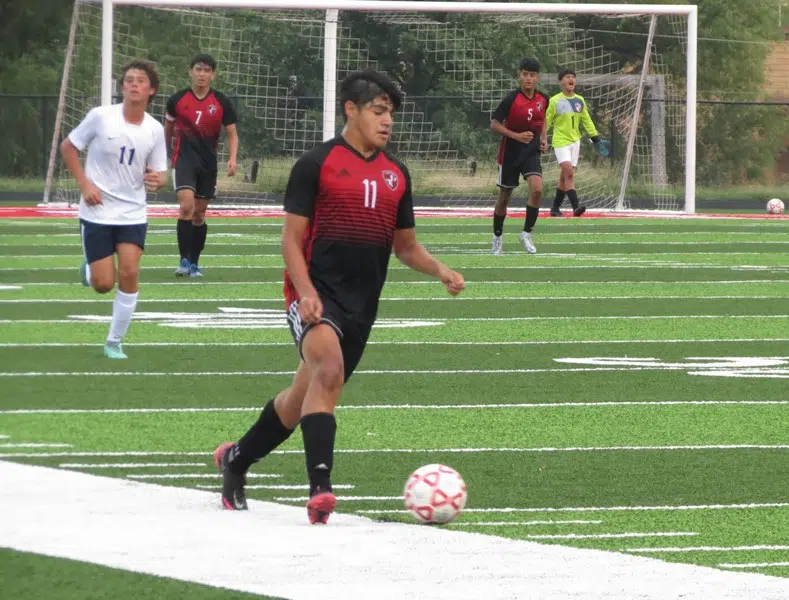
[190, 176]
[510, 174]
[99, 241]
[353, 334]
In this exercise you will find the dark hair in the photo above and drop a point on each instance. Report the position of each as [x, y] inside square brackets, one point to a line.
[529, 63]
[150, 69]
[206, 59]
[365, 86]
[564, 72]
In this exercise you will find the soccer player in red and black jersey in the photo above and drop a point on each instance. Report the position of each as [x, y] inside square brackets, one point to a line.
[348, 204]
[519, 120]
[195, 117]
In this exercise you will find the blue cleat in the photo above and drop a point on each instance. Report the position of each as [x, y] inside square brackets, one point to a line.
[183, 268]
[83, 273]
[113, 350]
[194, 271]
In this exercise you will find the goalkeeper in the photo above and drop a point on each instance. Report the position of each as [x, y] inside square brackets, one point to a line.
[566, 112]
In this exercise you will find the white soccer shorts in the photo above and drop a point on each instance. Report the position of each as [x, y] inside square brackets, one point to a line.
[568, 153]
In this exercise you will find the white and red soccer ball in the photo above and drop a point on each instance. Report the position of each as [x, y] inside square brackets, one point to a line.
[435, 494]
[775, 207]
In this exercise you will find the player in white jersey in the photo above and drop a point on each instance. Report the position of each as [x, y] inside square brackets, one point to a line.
[126, 158]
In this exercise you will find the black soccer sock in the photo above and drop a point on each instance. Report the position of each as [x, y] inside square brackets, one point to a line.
[557, 201]
[532, 212]
[184, 232]
[199, 233]
[498, 224]
[318, 430]
[573, 196]
[263, 437]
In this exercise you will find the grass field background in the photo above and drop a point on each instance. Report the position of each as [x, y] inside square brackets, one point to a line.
[624, 389]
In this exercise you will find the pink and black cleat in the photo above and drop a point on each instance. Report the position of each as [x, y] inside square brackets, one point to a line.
[320, 506]
[233, 495]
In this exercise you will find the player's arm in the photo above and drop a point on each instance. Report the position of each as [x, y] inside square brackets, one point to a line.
[169, 120]
[300, 195]
[229, 120]
[156, 166]
[499, 118]
[70, 148]
[588, 123]
[412, 254]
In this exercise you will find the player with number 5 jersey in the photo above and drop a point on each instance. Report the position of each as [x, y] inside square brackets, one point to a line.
[126, 157]
[348, 204]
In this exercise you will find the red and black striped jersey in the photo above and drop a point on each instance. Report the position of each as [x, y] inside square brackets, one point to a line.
[198, 124]
[354, 204]
[520, 113]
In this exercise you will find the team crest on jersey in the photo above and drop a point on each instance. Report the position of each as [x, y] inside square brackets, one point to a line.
[391, 179]
[212, 109]
[539, 106]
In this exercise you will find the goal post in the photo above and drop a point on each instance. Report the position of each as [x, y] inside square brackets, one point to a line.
[647, 102]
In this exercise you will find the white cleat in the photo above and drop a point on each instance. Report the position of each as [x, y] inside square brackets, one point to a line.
[527, 243]
[498, 247]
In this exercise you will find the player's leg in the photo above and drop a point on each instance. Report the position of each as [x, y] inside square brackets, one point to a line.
[129, 247]
[275, 424]
[533, 174]
[206, 190]
[185, 184]
[98, 248]
[564, 158]
[569, 177]
[507, 181]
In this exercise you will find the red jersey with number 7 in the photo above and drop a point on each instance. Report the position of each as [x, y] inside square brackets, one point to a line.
[354, 205]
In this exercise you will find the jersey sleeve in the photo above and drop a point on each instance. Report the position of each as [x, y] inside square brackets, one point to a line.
[169, 112]
[157, 159]
[229, 115]
[84, 133]
[405, 210]
[503, 109]
[302, 188]
[586, 121]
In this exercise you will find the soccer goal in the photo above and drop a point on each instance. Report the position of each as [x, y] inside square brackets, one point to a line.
[281, 61]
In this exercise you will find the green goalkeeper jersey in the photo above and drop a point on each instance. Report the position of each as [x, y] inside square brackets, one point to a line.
[567, 114]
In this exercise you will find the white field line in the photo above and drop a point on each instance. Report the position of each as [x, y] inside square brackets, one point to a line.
[130, 465]
[581, 509]
[33, 445]
[451, 243]
[339, 498]
[525, 405]
[336, 486]
[706, 549]
[145, 477]
[763, 565]
[609, 536]
[395, 343]
[4, 437]
[524, 523]
[264, 237]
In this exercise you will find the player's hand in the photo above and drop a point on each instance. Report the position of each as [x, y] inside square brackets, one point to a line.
[153, 179]
[90, 193]
[543, 144]
[231, 168]
[452, 280]
[524, 137]
[311, 308]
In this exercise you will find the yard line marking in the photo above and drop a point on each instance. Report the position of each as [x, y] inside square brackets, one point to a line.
[609, 536]
[452, 243]
[232, 409]
[395, 343]
[268, 237]
[524, 523]
[339, 498]
[34, 445]
[198, 476]
[577, 509]
[392, 299]
[129, 465]
[5, 288]
[763, 565]
[705, 549]
[4, 437]
[335, 486]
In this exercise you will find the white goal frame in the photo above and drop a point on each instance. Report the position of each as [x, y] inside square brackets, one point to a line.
[331, 7]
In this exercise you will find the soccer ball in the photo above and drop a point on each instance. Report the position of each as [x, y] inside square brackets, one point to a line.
[435, 494]
[775, 207]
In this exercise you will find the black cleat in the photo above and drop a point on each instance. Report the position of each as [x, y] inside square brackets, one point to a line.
[233, 495]
[579, 211]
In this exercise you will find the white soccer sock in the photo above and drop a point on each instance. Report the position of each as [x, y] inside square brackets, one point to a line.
[87, 273]
[122, 310]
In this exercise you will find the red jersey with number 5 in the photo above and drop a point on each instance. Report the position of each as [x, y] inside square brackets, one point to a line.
[520, 113]
[354, 205]
[198, 124]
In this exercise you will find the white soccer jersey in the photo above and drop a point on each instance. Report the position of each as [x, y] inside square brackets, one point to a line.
[118, 154]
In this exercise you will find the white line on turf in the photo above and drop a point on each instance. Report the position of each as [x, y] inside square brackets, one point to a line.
[229, 409]
[33, 445]
[591, 265]
[609, 536]
[130, 465]
[339, 498]
[198, 476]
[336, 486]
[578, 509]
[571, 255]
[707, 549]
[396, 343]
[762, 565]
[523, 523]
[453, 243]
[6, 288]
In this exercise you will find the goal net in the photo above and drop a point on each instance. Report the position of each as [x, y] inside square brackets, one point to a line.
[454, 69]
